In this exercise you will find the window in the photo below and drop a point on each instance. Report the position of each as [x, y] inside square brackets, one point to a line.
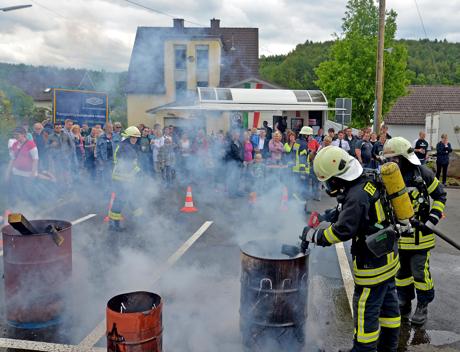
[202, 57]
[180, 54]
[224, 94]
[202, 83]
[181, 89]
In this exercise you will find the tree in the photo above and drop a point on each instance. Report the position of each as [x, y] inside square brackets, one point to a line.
[7, 124]
[22, 105]
[350, 71]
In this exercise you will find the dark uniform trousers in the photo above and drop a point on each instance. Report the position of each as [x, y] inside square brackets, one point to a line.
[376, 318]
[415, 273]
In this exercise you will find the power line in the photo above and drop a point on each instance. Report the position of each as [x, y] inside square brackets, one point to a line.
[426, 36]
[161, 12]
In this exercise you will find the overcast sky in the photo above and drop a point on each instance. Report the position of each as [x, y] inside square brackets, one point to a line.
[99, 34]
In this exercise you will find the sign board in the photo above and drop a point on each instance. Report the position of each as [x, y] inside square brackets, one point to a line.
[81, 106]
[343, 116]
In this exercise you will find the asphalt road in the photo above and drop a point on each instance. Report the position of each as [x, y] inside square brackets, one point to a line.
[201, 291]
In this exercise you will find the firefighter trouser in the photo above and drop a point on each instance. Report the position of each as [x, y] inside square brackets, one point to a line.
[125, 197]
[376, 318]
[415, 273]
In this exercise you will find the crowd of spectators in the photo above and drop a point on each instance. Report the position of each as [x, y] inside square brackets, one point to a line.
[238, 162]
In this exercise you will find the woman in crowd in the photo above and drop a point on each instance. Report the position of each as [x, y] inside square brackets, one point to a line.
[90, 151]
[276, 148]
[247, 145]
[443, 149]
[79, 149]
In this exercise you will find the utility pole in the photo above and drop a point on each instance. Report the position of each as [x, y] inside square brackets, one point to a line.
[380, 68]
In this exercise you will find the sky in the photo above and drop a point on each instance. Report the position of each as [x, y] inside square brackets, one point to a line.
[99, 34]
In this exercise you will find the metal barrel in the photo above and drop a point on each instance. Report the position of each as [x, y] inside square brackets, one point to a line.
[134, 322]
[273, 301]
[36, 274]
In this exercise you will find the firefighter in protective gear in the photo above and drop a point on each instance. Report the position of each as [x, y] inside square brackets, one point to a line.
[301, 168]
[124, 174]
[415, 246]
[361, 213]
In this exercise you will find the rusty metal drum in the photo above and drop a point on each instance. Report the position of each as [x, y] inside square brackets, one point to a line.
[37, 273]
[134, 322]
[273, 301]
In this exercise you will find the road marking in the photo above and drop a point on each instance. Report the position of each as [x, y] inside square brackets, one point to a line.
[79, 221]
[75, 222]
[44, 346]
[347, 276]
[99, 331]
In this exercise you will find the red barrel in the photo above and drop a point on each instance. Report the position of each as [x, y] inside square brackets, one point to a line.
[36, 273]
[134, 322]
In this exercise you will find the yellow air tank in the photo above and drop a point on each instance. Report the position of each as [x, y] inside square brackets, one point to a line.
[396, 189]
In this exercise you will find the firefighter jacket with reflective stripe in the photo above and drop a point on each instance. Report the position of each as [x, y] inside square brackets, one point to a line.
[422, 185]
[125, 160]
[361, 213]
[302, 164]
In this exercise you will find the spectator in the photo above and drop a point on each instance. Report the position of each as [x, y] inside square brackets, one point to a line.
[377, 151]
[90, 152]
[234, 158]
[268, 130]
[39, 141]
[68, 123]
[363, 150]
[443, 149]
[116, 134]
[257, 172]
[289, 152]
[319, 136]
[327, 141]
[384, 130]
[373, 139]
[254, 139]
[282, 125]
[105, 150]
[185, 152]
[331, 133]
[61, 154]
[167, 161]
[421, 147]
[341, 142]
[263, 144]
[85, 130]
[156, 143]
[23, 167]
[276, 148]
[79, 149]
[145, 153]
[247, 145]
[351, 140]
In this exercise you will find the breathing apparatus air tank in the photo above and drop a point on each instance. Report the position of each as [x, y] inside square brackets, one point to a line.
[396, 188]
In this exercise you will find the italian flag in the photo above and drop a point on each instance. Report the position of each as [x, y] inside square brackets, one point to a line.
[251, 118]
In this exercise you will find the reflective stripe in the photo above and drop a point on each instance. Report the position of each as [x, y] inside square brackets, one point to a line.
[379, 211]
[428, 284]
[438, 205]
[361, 335]
[390, 322]
[115, 216]
[405, 282]
[425, 242]
[378, 279]
[330, 236]
[298, 167]
[391, 262]
[433, 186]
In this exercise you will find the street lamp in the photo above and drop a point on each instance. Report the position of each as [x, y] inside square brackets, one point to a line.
[12, 8]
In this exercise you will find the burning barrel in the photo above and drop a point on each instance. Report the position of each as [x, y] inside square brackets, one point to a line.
[273, 302]
[134, 322]
[36, 273]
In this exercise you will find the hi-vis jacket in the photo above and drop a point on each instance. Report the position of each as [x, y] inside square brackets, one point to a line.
[125, 161]
[359, 210]
[302, 164]
[420, 192]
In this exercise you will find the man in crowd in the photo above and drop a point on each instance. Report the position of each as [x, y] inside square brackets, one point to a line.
[331, 133]
[341, 142]
[41, 146]
[105, 149]
[116, 134]
[384, 130]
[61, 154]
[23, 167]
[421, 147]
[268, 130]
[363, 150]
[85, 130]
[351, 140]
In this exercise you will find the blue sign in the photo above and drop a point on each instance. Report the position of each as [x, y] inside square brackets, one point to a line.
[80, 106]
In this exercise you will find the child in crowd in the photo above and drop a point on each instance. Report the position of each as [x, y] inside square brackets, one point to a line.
[257, 172]
[167, 161]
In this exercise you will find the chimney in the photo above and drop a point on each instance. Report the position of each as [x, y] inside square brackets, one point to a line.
[215, 24]
[178, 23]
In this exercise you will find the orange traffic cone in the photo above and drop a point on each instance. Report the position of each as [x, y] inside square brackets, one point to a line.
[112, 199]
[252, 198]
[284, 200]
[188, 207]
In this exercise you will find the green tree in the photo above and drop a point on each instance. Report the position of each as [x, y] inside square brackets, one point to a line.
[7, 124]
[350, 71]
[22, 105]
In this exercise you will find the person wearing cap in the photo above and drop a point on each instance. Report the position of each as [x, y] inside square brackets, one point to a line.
[414, 277]
[359, 215]
[23, 166]
[125, 171]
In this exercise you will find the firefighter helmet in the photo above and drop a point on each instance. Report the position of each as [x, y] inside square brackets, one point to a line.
[132, 131]
[306, 130]
[332, 161]
[399, 146]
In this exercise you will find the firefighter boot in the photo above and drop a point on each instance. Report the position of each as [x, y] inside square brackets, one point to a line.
[405, 309]
[420, 315]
